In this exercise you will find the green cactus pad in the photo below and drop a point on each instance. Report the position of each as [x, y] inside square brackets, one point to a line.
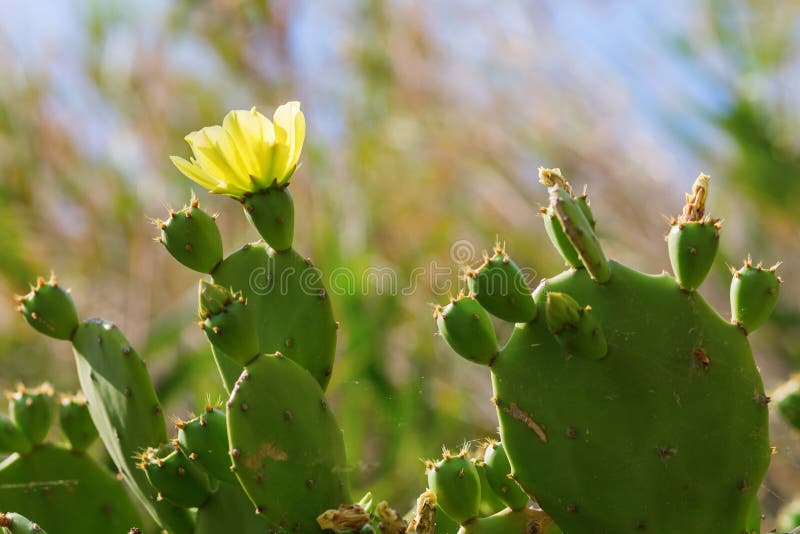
[205, 440]
[125, 409]
[613, 445]
[753, 524]
[66, 491]
[286, 446]
[583, 203]
[49, 309]
[12, 439]
[498, 471]
[456, 483]
[192, 237]
[291, 306]
[501, 289]
[510, 521]
[177, 479]
[12, 523]
[467, 328]
[692, 248]
[560, 241]
[230, 510]
[575, 327]
[76, 422]
[32, 411]
[754, 294]
[232, 327]
[271, 212]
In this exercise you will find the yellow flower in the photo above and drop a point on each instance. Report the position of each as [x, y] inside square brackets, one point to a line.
[247, 153]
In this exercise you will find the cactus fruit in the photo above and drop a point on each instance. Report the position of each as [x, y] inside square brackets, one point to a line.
[754, 294]
[285, 444]
[468, 329]
[456, 483]
[192, 237]
[76, 422]
[500, 287]
[12, 523]
[49, 309]
[176, 478]
[693, 238]
[611, 445]
[271, 212]
[32, 410]
[787, 400]
[205, 440]
[228, 322]
[12, 439]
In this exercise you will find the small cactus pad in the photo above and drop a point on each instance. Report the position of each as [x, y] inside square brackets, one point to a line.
[125, 409]
[490, 501]
[228, 323]
[12, 439]
[501, 288]
[498, 473]
[76, 422]
[575, 327]
[291, 306]
[467, 328]
[49, 309]
[205, 439]
[456, 483]
[286, 446]
[754, 294]
[560, 241]
[177, 479]
[67, 492]
[32, 411]
[12, 523]
[693, 239]
[271, 212]
[192, 237]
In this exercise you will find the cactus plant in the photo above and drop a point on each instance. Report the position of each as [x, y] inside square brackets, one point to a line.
[627, 403]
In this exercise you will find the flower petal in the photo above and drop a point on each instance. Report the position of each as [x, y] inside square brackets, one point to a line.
[290, 131]
[194, 172]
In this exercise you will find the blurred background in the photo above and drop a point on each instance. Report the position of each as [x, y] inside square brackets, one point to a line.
[426, 124]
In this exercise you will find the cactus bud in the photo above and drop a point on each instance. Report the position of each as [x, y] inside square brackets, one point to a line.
[754, 294]
[205, 439]
[228, 322]
[176, 478]
[467, 328]
[76, 422]
[498, 471]
[693, 239]
[457, 486]
[271, 212]
[575, 327]
[32, 411]
[192, 237]
[49, 309]
[500, 287]
[11, 438]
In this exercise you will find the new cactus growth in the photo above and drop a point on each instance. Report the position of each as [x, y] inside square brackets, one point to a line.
[498, 473]
[76, 422]
[456, 483]
[49, 309]
[32, 411]
[192, 237]
[205, 439]
[467, 328]
[500, 287]
[607, 440]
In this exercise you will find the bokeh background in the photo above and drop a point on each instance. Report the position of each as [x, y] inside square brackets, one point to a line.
[426, 123]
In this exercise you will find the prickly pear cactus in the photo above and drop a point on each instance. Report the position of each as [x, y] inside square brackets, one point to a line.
[626, 403]
[49, 481]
